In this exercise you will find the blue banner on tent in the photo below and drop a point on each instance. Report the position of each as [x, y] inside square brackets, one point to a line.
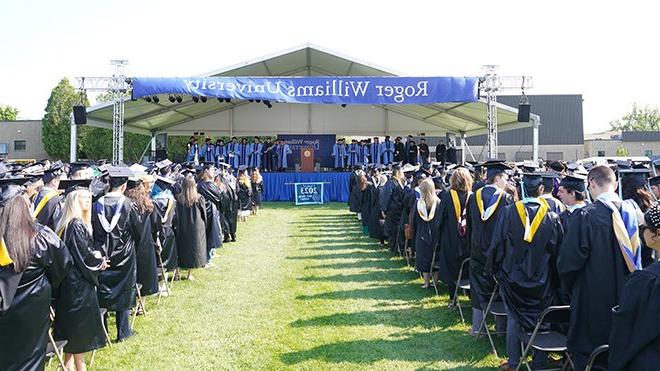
[309, 193]
[322, 144]
[317, 89]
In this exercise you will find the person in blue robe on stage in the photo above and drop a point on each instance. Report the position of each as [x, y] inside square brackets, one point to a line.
[192, 152]
[244, 149]
[283, 151]
[220, 151]
[374, 152]
[233, 153]
[363, 153]
[353, 153]
[339, 153]
[255, 153]
[208, 151]
[387, 151]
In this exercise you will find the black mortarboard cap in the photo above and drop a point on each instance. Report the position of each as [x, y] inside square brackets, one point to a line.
[555, 165]
[70, 185]
[574, 183]
[633, 177]
[119, 172]
[161, 180]
[163, 164]
[532, 180]
[54, 171]
[495, 167]
[654, 181]
[17, 180]
[77, 166]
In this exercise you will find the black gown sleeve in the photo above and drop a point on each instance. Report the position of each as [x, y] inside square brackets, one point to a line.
[53, 255]
[495, 252]
[574, 250]
[80, 245]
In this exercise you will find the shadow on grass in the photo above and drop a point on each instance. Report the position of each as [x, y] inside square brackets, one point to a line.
[385, 275]
[431, 318]
[400, 291]
[373, 263]
[433, 347]
[348, 255]
[347, 246]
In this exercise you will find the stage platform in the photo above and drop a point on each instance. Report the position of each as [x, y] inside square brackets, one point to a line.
[279, 186]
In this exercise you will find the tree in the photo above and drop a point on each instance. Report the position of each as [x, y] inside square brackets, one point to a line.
[622, 151]
[638, 119]
[8, 113]
[56, 129]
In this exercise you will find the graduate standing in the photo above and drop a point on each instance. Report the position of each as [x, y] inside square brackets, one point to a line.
[374, 152]
[424, 151]
[257, 190]
[399, 151]
[483, 211]
[522, 256]
[213, 200]
[234, 153]
[426, 224]
[116, 231]
[283, 151]
[77, 316]
[191, 227]
[635, 337]
[390, 200]
[453, 224]
[33, 261]
[244, 149]
[387, 151]
[220, 151]
[165, 211]
[572, 193]
[47, 203]
[601, 248]
[208, 151]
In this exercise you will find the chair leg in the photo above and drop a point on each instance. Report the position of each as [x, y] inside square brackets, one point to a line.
[59, 355]
[484, 324]
[106, 333]
[457, 300]
[91, 360]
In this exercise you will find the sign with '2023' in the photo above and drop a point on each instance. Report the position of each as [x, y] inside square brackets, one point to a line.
[309, 193]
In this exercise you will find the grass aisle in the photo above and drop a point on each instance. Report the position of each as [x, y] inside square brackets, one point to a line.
[301, 289]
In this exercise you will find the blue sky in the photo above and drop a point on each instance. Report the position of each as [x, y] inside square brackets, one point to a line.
[608, 53]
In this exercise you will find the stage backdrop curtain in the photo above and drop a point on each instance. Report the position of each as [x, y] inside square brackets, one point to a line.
[279, 186]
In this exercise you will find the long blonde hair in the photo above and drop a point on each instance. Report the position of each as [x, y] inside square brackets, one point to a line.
[73, 210]
[188, 195]
[427, 190]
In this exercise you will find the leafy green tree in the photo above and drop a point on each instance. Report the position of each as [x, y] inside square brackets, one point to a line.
[622, 151]
[55, 133]
[646, 118]
[8, 113]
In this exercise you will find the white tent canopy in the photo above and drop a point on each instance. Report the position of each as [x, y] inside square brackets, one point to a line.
[242, 118]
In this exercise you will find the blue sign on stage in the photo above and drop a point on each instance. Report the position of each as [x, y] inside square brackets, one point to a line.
[317, 89]
[321, 143]
[309, 193]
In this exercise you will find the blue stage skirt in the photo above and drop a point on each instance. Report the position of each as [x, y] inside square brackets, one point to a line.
[279, 186]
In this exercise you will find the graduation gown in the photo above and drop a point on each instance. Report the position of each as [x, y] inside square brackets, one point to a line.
[374, 220]
[165, 214]
[635, 337]
[479, 234]
[526, 271]
[591, 267]
[424, 152]
[257, 191]
[391, 198]
[47, 207]
[453, 246]
[412, 154]
[234, 206]
[145, 253]
[408, 206]
[399, 154]
[427, 237]
[26, 298]
[77, 316]
[116, 242]
[191, 234]
[354, 194]
[213, 202]
[245, 196]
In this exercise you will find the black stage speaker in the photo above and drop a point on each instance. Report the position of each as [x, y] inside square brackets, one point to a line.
[523, 112]
[451, 155]
[80, 115]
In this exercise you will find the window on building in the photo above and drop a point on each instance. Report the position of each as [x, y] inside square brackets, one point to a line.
[4, 149]
[523, 155]
[648, 153]
[557, 156]
[501, 156]
[19, 145]
[601, 153]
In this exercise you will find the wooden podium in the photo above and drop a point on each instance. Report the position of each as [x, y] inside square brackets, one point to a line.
[307, 160]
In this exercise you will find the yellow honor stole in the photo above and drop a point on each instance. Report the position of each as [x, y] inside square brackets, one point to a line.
[5, 259]
[530, 230]
[43, 203]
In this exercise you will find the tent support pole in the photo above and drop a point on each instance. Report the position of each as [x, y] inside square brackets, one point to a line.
[309, 119]
[463, 147]
[231, 123]
[74, 141]
[387, 122]
[535, 142]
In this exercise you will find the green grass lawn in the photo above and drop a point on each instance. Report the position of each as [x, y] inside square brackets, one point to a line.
[301, 289]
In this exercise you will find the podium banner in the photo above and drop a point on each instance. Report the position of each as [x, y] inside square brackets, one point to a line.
[322, 144]
[308, 193]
